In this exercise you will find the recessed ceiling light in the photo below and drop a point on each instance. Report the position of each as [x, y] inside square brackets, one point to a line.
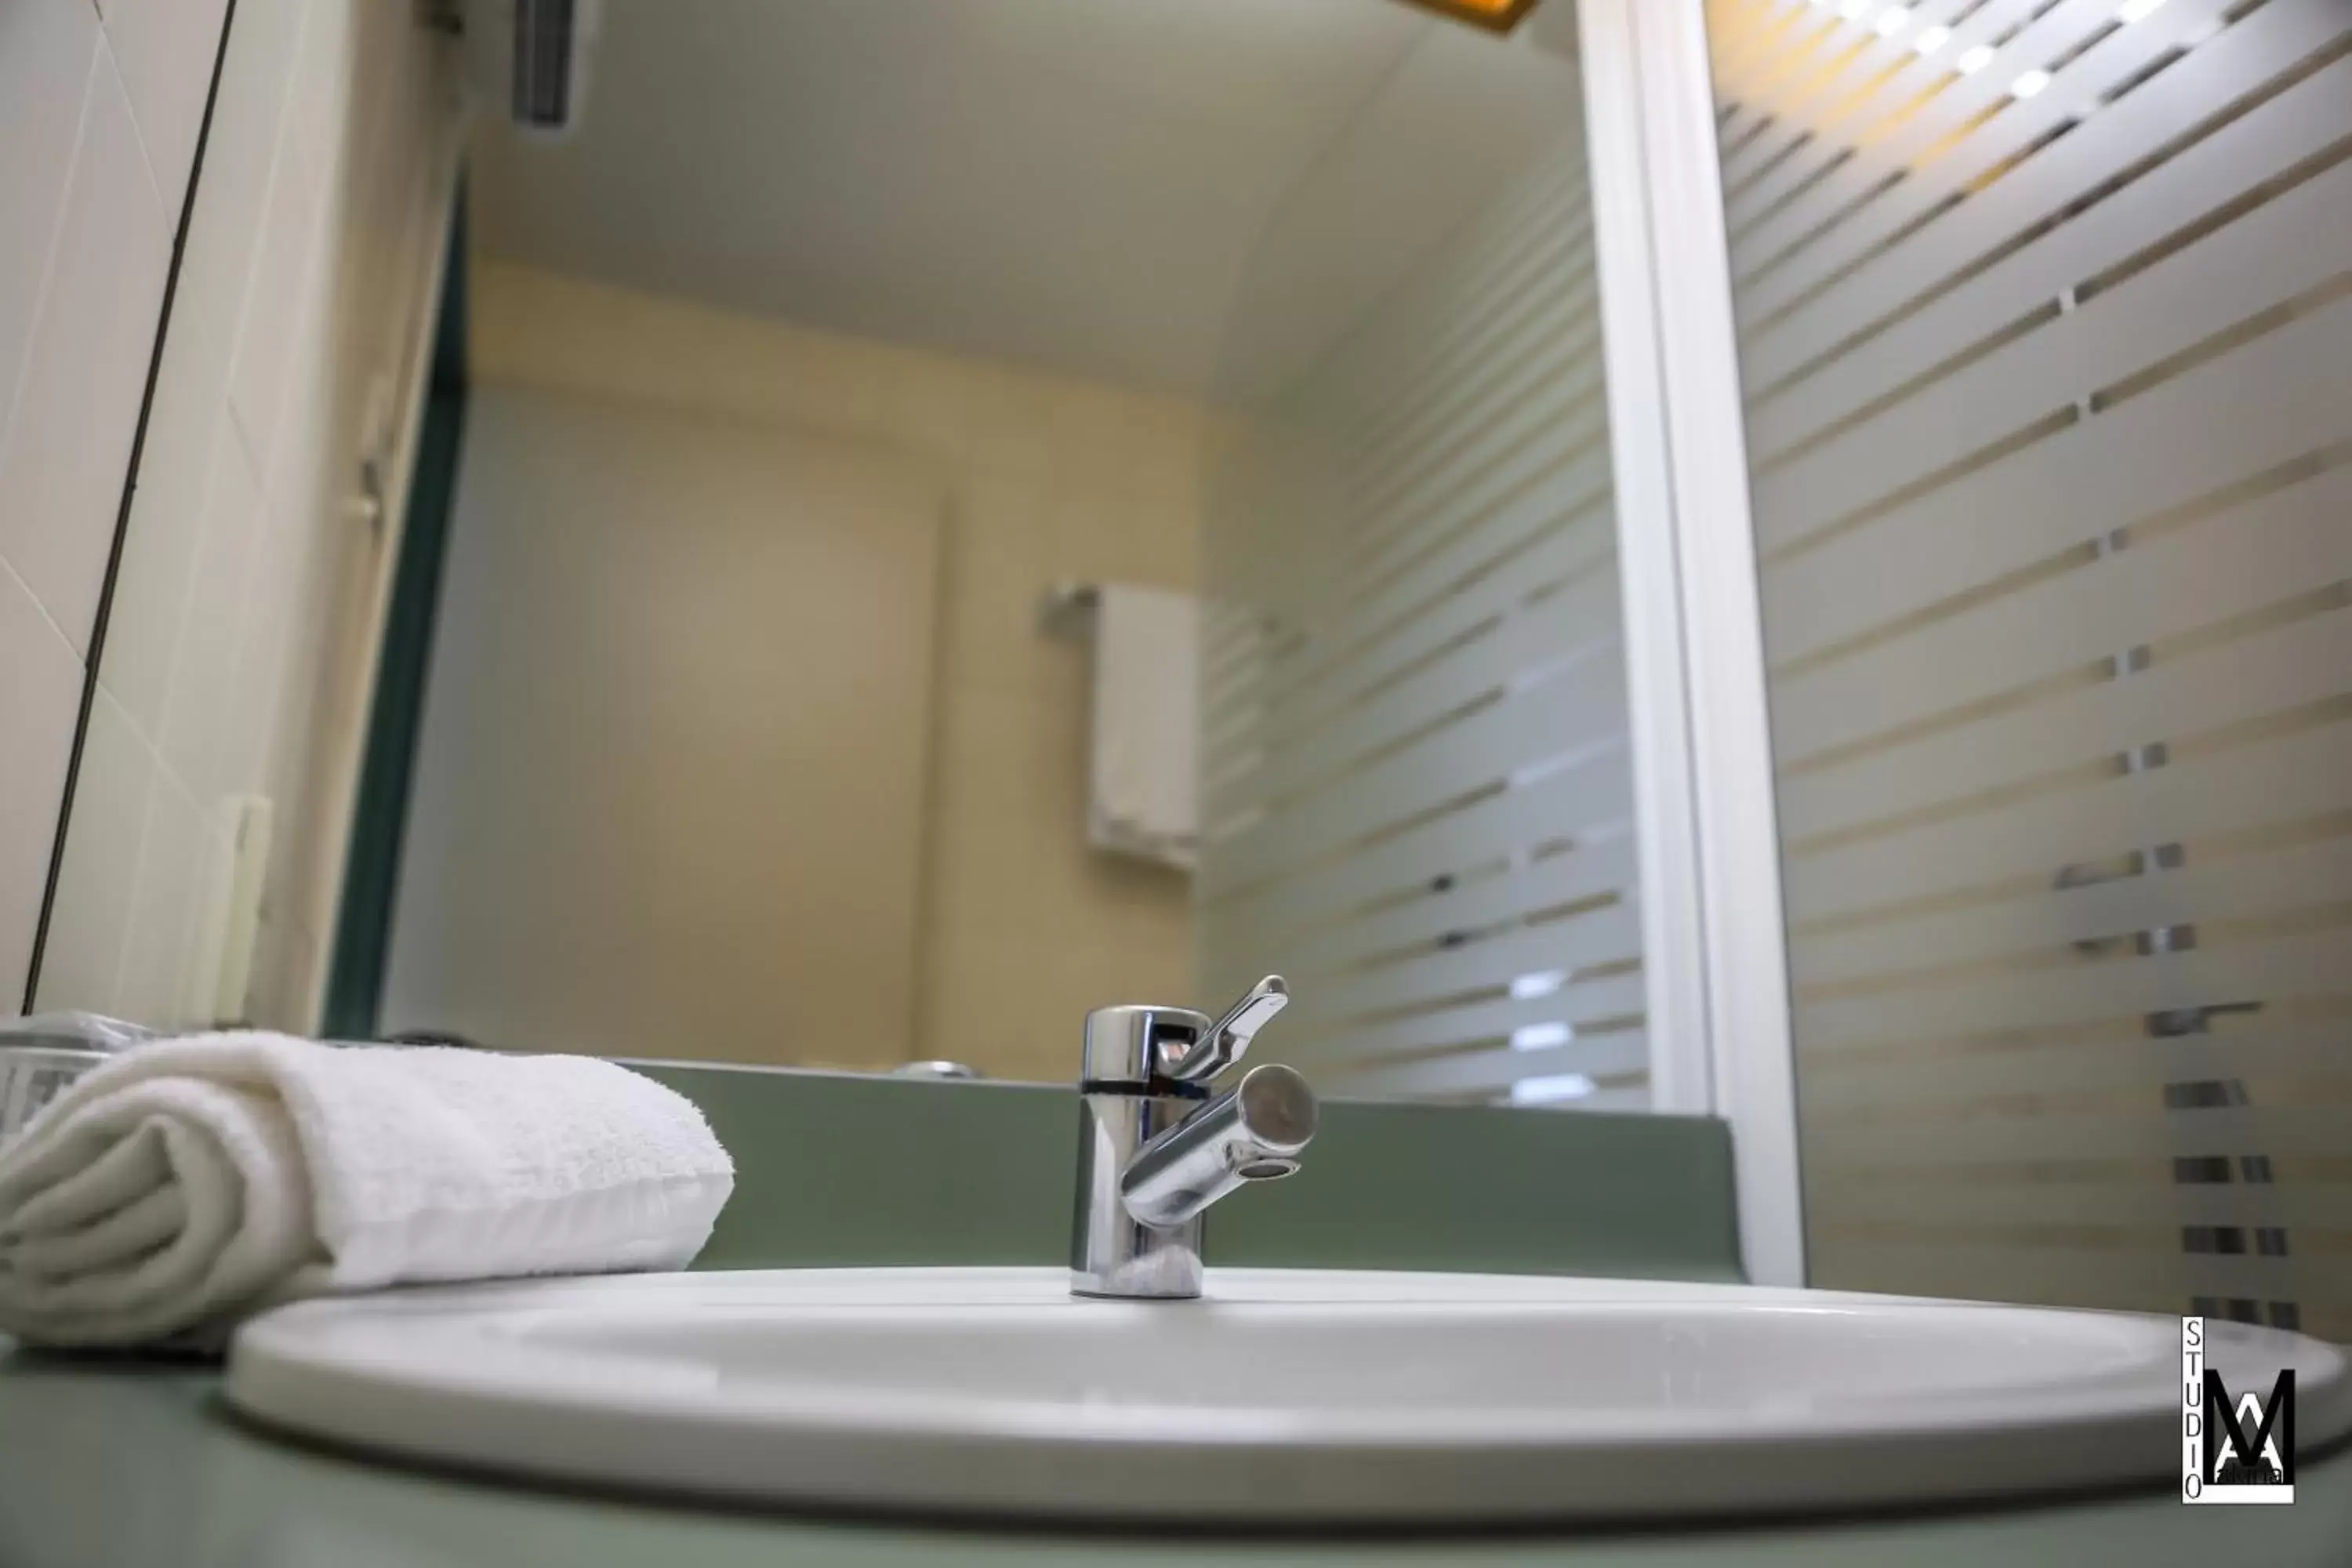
[1974, 60]
[1892, 23]
[1932, 39]
[2137, 10]
[1543, 982]
[1853, 10]
[2029, 84]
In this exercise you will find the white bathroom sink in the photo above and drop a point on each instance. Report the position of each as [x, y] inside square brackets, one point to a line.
[1285, 1396]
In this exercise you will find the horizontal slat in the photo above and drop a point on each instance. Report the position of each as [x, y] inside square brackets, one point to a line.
[2286, 779]
[1569, 557]
[1380, 382]
[1608, 935]
[1530, 329]
[2170, 702]
[1576, 800]
[2286, 966]
[1964, 129]
[1750, 45]
[1571, 708]
[1493, 1071]
[1881, 1138]
[2281, 249]
[2049, 926]
[1477, 904]
[2285, 542]
[2155, 1205]
[1369, 441]
[1600, 1001]
[2261, 1055]
[1384, 383]
[1563, 466]
[1771, 178]
[2050, 419]
[1941, 165]
[2271, 40]
[1776, 83]
[1759, 136]
[1527, 643]
[1533, 549]
[2260, 405]
[2290, 247]
[1446, 696]
[1839, 114]
[1546, 406]
[1552, 334]
[2259, 146]
[1929, 1261]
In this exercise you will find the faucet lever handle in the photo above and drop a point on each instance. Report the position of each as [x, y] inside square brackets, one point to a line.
[1228, 1039]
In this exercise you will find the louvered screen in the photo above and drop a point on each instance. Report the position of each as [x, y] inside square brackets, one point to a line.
[1417, 779]
[2045, 327]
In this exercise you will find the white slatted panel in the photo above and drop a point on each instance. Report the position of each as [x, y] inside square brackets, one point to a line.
[2046, 330]
[1417, 790]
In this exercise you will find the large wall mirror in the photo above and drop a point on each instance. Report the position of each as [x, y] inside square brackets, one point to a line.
[921, 520]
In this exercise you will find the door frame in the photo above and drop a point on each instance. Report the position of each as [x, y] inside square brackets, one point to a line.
[1712, 933]
[352, 984]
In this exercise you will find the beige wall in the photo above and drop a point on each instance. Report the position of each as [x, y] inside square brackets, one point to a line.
[237, 654]
[1048, 477]
[669, 790]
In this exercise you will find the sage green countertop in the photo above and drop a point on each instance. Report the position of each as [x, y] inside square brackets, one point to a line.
[137, 1466]
[839, 1170]
[130, 1464]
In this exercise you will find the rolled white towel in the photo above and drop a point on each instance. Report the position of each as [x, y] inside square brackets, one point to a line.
[190, 1181]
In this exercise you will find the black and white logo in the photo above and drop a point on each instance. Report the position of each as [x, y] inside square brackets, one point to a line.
[2235, 1446]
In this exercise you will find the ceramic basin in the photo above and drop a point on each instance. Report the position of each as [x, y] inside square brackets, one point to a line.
[1284, 1397]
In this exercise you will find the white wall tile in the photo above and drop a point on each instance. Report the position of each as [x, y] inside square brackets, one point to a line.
[293, 551]
[269, 329]
[161, 935]
[40, 693]
[282, 581]
[167, 514]
[166, 49]
[69, 445]
[225, 231]
[47, 48]
[83, 956]
[205, 662]
[230, 566]
[322, 77]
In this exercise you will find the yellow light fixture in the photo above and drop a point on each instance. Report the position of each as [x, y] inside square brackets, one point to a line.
[1494, 16]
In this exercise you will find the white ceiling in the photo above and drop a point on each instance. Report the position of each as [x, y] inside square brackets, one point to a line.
[1091, 185]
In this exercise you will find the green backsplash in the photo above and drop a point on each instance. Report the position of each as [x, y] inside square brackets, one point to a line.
[837, 1170]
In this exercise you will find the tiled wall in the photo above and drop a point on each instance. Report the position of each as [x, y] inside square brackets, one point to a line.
[1049, 477]
[232, 664]
[103, 109]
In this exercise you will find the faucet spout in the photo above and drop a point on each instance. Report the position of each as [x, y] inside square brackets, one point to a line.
[1155, 1150]
[1254, 1132]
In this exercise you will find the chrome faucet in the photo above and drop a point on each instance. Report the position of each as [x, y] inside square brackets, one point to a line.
[1155, 1151]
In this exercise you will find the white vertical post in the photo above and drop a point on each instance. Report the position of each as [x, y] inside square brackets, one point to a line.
[1713, 940]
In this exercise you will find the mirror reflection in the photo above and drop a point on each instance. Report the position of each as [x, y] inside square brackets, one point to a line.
[896, 525]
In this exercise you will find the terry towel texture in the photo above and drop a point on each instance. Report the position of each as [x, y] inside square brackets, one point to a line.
[192, 1181]
[1147, 725]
